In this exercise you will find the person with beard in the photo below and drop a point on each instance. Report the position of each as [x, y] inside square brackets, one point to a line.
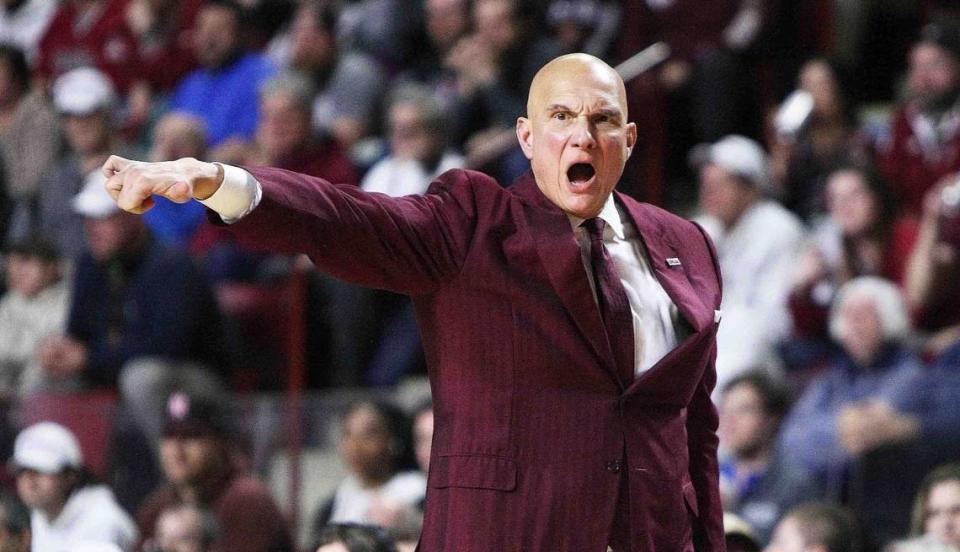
[923, 144]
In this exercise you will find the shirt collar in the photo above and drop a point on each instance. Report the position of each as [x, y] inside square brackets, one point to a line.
[610, 215]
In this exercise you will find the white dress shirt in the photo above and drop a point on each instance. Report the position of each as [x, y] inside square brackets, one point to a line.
[655, 317]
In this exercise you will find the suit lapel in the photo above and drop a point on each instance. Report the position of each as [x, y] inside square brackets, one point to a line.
[559, 253]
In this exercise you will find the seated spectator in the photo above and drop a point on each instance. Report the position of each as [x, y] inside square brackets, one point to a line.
[223, 90]
[184, 528]
[587, 26]
[375, 444]
[33, 309]
[88, 33]
[66, 508]
[757, 241]
[759, 482]
[936, 509]
[29, 139]
[803, 155]
[350, 85]
[923, 143]
[176, 135]
[14, 525]
[352, 537]
[919, 544]
[816, 527]
[85, 99]
[196, 456]
[381, 28]
[141, 317]
[24, 22]
[858, 403]
[863, 236]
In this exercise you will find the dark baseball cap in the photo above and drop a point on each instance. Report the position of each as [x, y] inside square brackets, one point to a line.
[194, 416]
[945, 34]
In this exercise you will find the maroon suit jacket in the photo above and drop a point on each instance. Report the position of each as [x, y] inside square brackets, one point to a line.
[533, 428]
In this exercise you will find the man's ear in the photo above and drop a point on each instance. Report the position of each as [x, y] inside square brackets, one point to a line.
[631, 137]
[525, 136]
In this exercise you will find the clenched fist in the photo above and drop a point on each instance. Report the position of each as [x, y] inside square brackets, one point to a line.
[132, 184]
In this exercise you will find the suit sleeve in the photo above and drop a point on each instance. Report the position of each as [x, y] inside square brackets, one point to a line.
[702, 423]
[409, 244]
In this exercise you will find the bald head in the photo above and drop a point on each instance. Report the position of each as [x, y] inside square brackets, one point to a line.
[574, 67]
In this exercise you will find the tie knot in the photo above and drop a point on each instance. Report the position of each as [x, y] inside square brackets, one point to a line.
[594, 228]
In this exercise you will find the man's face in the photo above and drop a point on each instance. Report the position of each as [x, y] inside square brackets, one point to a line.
[284, 125]
[29, 275]
[87, 134]
[365, 443]
[851, 204]
[496, 23]
[42, 491]
[447, 21]
[216, 35]
[942, 516]
[744, 425]
[722, 194]
[312, 46]
[108, 236]
[933, 75]
[410, 138]
[576, 134]
[863, 334]
[187, 460]
[787, 537]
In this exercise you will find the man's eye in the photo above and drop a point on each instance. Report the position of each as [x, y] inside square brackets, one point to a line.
[560, 116]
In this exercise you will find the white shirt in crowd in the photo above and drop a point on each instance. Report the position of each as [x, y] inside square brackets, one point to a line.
[91, 515]
[352, 502]
[399, 177]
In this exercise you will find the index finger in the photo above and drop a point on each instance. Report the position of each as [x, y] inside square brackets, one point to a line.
[115, 164]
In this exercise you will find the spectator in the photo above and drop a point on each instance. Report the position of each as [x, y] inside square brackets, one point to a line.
[375, 444]
[919, 544]
[176, 134]
[588, 26]
[805, 151]
[23, 23]
[380, 28]
[924, 141]
[14, 525]
[352, 537]
[184, 528]
[350, 85]
[29, 138]
[871, 393]
[862, 237]
[33, 309]
[816, 527]
[936, 509]
[423, 435]
[761, 481]
[223, 90]
[66, 508]
[196, 457]
[757, 241]
[141, 318]
[86, 99]
[88, 33]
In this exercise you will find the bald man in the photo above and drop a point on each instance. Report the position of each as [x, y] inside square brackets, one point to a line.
[569, 330]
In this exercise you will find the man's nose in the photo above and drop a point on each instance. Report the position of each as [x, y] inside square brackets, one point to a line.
[582, 136]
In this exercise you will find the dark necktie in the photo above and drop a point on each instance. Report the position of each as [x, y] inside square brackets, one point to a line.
[613, 302]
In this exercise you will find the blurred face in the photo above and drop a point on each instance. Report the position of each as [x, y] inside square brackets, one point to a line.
[745, 428]
[43, 491]
[215, 35]
[365, 444]
[108, 236]
[863, 335]
[87, 134]
[187, 460]
[723, 195]
[787, 538]
[851, 204]
[409, 136]
[29, 275]
[817, 78]
[447, 21]
[179, 531]
[943, 512]
[423, 438]
[177, 136]
[576, 134]
[312, 46]
[334, 547]
[496, 23]
[284, 125]
[932, 76]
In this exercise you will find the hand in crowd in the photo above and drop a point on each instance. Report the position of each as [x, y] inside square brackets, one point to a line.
[810, 268]
[869, 425]
[62, 356]
[133, 183]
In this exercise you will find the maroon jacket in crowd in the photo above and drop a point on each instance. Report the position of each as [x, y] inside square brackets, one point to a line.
[534, 431]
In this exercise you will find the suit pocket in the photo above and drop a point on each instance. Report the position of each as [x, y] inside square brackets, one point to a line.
[473, 472]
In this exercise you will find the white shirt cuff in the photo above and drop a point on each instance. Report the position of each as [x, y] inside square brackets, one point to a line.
[238, 194]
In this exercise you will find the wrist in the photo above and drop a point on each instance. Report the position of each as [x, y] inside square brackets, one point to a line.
[208, 180]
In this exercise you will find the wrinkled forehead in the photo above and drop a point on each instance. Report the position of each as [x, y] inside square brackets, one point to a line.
[593, 85]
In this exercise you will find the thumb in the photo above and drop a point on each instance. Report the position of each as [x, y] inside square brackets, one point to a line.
[179, 192]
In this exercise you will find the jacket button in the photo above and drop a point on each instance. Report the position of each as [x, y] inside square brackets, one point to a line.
[613, 466]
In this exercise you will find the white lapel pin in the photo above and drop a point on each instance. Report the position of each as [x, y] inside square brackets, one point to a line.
[673, 261]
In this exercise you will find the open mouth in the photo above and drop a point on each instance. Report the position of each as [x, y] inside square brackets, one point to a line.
[580, 174]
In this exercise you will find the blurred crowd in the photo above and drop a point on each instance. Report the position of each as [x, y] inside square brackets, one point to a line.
[818, 143]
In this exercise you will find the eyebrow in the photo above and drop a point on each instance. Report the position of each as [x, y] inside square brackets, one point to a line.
[608, 111]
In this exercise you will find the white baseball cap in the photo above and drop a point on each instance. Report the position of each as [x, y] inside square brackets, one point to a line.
[738, 155]
[94, 201]
[47, 447]
[83, 91]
